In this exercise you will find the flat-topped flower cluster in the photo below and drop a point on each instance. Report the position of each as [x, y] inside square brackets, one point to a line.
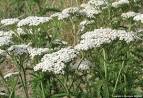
[98, 37]
[26, 49]
[56, 61]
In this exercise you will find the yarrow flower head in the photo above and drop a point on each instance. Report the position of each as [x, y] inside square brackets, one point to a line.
[89, 10]
[62, 16]
[97, 3]
[129, 14]
[92, 8]
[5, 40]
[37, 51]
[71, 10]
[50, 66]
[6, 33]
[138, 17]
[9, 21]
[33, 21]
[98, 37]
[18, 49]
[66, 13]
[119, 3]
[55, 62]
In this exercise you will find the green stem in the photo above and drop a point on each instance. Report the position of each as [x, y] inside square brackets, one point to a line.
[105, 67]
[13, 89]
[74, 77]
[118, 78]
[64, 86]
[24, 81]
[24, 86]
[125, 80]
[24, 76]
[43, 93]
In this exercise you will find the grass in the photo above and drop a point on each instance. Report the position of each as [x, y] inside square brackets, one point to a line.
[21, 8]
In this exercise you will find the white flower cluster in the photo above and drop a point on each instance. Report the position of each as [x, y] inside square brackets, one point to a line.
[92, 8]
[10, 21]
[97, 37]
[129, 14]
[6, 33]
[18, 49]
[33, 21]
[97, 3]
[60, 16]
[55, 62]
[138, 17]
[119, 3]
[84, 23]
[26, 49]
[2, 53]
[37, 51]
[134, 15]
[89, 10]
[70, 10]
[11, 74]
[83, 65]
[5, 40]
[5, 37]
[66, 13]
